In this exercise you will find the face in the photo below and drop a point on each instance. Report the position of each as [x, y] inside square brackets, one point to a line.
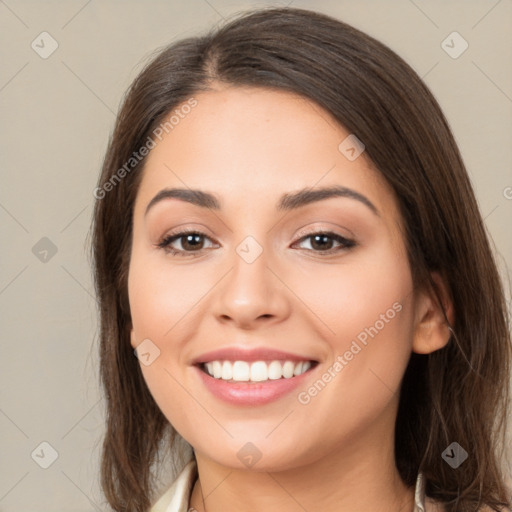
[325, 279]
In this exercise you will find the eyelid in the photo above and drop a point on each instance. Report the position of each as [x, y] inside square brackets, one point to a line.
[178, 233]
[184, 230]
[322, 229]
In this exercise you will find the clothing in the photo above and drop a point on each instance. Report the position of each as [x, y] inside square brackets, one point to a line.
[177, 497]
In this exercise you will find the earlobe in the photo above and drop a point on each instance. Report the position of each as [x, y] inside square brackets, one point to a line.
[133, 341]
[431, 331]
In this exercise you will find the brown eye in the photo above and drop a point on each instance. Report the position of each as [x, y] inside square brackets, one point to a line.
[323, 242]
[190, 242]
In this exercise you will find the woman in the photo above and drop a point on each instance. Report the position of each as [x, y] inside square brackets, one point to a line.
[287, 239]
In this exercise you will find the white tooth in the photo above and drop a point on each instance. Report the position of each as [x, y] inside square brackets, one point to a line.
[217, 369]
[227, 370]
[259, 371]
[288, 369]
[241, 371]
[306, 366]
[275, 370]
[298, 369]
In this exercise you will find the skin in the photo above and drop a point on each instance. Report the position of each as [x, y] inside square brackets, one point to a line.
[249, 146]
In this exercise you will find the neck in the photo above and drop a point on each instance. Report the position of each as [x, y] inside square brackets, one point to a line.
[359, 476]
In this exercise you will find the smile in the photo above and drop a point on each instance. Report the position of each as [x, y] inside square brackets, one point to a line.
[241, 383]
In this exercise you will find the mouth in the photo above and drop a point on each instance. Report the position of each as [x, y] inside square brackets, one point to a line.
[256, 371]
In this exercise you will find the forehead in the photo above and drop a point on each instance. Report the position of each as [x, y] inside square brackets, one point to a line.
[251, 145]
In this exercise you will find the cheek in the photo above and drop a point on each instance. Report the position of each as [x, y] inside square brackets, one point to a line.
[161, 305]
[366, 308]
[162, 297]
[354, 294]
[166, 306]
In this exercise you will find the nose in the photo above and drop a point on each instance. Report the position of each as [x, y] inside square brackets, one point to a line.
[252, 295]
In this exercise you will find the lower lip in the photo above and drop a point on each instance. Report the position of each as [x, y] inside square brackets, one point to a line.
[252, 393]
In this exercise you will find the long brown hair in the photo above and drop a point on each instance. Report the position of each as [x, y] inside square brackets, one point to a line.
[459, 393]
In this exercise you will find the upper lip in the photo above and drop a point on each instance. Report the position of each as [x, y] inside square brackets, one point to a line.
[244, 354]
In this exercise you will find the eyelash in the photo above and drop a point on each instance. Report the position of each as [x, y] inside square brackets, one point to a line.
[166, 241]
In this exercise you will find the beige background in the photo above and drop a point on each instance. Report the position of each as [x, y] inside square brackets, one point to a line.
[56, 116]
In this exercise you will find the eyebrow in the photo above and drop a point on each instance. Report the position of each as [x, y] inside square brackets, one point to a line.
[289, 201]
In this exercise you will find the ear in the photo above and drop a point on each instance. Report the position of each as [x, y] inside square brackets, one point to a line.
[431, 332]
